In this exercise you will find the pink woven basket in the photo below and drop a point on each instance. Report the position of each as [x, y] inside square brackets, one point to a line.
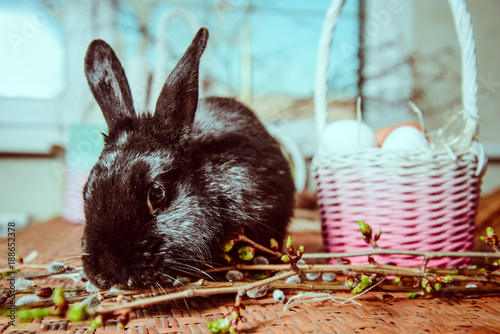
[421, 200]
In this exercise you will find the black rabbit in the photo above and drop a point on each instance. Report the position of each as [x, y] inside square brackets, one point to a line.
[170, 188]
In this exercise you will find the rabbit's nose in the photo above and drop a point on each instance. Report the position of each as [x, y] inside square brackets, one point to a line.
[121, 286]
[114, 272]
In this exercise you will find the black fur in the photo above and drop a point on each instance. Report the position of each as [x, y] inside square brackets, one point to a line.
[221, 170]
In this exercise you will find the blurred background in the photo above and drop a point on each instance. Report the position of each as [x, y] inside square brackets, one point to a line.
[261, 52]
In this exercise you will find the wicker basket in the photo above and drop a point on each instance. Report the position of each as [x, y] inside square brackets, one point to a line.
[420, 200]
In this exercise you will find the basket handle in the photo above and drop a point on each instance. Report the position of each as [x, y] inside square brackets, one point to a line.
[467, 44]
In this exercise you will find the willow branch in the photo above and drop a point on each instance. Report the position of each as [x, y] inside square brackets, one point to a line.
[242, 237]
[384, 251]
[366, 269]
[272, 283]
[189, 293]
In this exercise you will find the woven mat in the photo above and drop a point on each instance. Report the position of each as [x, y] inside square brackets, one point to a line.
[265, 316]
[59, 240]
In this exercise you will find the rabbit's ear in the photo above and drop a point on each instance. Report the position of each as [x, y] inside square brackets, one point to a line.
[178, 100]
[108, 83]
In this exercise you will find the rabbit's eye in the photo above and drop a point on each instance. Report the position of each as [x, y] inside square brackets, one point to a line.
[156, 197]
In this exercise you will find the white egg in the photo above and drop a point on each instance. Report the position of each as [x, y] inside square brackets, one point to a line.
[347, 135]
[406, 138]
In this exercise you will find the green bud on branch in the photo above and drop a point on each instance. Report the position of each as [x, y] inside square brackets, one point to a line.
[289, 245]
[300, 252]
[227, 258]
[60, 301]
[246, 253]
[219, 325]
[365, 229]
[412, 295]
[491, 239]
[285, 258]
[96, 322]
[490, 232]
[444, 279]
[365, 282]
[58, 297]
[228, 245]
[27, 315]
[350, 281]
[274, 244]
[78, 312]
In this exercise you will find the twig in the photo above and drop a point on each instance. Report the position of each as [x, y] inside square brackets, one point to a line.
[241, 289]
[189, 293]
[341, 287]
[23, 266]
[366, 269]
[423, 266]
[384, 251]
[215, 288]
[462, 271]
[50, 302]
[244, 238]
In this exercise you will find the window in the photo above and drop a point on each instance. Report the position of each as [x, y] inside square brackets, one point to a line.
[40, 72]
[33, 57]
